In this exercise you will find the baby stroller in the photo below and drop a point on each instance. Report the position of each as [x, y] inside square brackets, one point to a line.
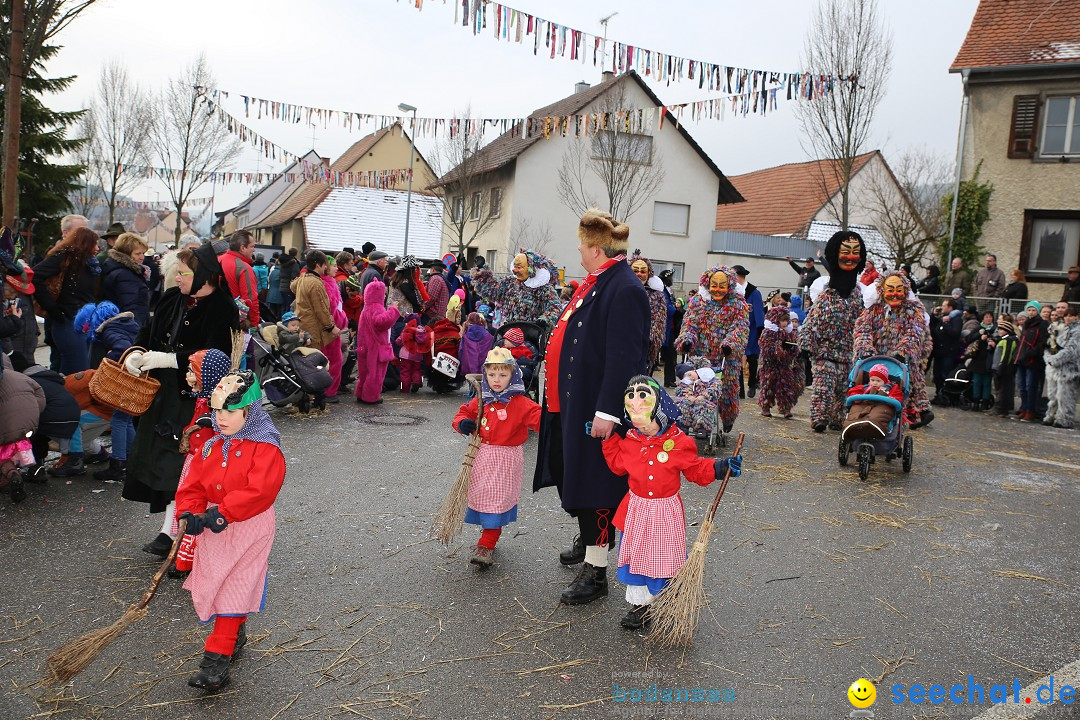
[957, 388]
[895, 444]
[709, 427]
[536, 336]
[288, 379]
[443, 374]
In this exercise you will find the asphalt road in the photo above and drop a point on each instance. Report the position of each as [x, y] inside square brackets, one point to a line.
[967, 566]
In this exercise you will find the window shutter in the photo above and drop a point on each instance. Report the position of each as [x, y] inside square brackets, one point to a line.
[1025, 126]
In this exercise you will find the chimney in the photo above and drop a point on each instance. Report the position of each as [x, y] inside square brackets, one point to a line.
[581, 87]
[607, 76]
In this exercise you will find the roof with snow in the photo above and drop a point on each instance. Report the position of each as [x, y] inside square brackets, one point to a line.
[351, 216]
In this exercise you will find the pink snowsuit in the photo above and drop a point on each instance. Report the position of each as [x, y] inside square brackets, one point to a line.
[333, 350]
[373, 349]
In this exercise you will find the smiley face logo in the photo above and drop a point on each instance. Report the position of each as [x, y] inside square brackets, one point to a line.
[862, 693]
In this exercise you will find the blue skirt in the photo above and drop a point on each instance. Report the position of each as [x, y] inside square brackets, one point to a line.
[490, 521]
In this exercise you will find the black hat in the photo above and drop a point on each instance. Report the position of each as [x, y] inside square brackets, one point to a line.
[809, 260]
[439, 264]
[740, 270]
[366, 248]
[115, 230]
[376, 255]
[348, 250]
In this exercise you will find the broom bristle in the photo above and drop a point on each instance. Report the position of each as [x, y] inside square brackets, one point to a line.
[76, 655]
[450, 518]
[674, 613]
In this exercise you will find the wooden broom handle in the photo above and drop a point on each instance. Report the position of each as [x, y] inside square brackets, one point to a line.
[471, 378]
[724, 482]
[181, 526]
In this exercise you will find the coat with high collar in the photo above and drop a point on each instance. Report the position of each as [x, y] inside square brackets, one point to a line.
[124, 284]
[606, 342]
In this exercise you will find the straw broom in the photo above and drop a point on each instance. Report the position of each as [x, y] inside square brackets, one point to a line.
[674, 613]
[76, 655]
[450, 518]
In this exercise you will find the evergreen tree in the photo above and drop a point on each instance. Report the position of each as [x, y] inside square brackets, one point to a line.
[44, 183]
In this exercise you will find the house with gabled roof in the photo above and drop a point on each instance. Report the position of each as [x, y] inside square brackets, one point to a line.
[267, 197]
[520, 178]
[282, 222]
[791, 210]
[1020, 62]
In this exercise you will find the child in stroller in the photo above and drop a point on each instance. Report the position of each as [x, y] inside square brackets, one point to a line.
[697, 395]
[868, 418]
[879, 386]
[293, 377]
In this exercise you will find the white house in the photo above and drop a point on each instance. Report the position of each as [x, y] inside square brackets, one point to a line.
[520, 171]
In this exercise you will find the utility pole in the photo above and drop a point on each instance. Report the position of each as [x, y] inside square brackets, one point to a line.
[603, 60]
[13, 115]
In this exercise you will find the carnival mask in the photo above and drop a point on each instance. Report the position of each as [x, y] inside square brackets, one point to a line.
[850, 255]
[718, 286]
[641, 269]
[641, 401]
[236, 390]
[521, 267]
[893, 291]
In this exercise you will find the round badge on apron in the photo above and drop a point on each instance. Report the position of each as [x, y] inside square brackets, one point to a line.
[662, 456]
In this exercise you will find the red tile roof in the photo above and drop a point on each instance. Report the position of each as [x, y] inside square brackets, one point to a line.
[783, 200]
[1021, 32]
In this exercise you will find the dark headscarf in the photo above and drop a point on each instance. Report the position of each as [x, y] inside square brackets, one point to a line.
[840, 281]
[209, 268]
[665, 412]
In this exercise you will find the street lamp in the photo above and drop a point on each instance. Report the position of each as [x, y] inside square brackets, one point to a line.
[405, 108]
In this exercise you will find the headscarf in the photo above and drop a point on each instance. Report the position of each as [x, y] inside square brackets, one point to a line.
[209, 367]
[665, 412]
[258, 427]
[91, 316]
[209, 268]
[501, 356]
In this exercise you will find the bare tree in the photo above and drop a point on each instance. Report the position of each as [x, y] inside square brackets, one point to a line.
[188, 140]
[526, 233]
[25, 27]
[905, 202]
[470, 192]
[83, 202]
[622, 162]
[847, 39]
[121, 117]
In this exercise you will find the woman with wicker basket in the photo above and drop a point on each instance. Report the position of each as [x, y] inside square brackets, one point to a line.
[197, 314]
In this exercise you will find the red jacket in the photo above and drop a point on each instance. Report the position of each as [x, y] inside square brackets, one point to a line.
[522, 414]
[639, 457]
[891, 389]
[247, 485]
[240, 277]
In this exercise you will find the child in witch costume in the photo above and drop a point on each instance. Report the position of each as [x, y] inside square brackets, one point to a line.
[654, 452]
[206, 368]
[230, 491]
[495, 485]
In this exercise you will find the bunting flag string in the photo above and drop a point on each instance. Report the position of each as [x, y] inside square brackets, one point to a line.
[80, 200]
[552, 38]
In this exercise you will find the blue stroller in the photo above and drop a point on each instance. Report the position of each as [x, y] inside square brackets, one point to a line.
[867, 447]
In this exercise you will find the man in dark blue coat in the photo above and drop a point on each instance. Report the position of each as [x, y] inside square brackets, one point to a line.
[600, 341]
[757, 323]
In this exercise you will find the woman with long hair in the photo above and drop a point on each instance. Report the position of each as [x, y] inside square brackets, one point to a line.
[65, 281]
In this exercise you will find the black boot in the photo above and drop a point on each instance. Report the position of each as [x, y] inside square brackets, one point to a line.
[241, 640]
[637, 618]
[213, 672]
[116, 471]
[68, 466]
[575, 554]
[159, 546]
[36, 475]
[590, 584]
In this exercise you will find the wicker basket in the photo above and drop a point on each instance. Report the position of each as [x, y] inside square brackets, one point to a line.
[114, 386]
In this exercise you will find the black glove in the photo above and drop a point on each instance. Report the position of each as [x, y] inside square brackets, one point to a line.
[901, 357]
[195, 523]
[726, 350]
[466, 426]
[205, 421]
[215, 520]
[721, 466]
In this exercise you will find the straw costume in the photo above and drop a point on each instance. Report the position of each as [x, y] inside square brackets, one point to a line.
[658, 310]
[782, 378]
[528, 294]
[495, 486]
[652, 547]
[230, 490]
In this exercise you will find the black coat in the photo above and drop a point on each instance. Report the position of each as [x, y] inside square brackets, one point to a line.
[1015, 291]
[61, 416]
[288, 271]
[124, 285]
[605, 344]
[78, 287]
[155, 461]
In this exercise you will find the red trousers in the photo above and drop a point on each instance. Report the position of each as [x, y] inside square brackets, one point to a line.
[226, 630]
[411, 373]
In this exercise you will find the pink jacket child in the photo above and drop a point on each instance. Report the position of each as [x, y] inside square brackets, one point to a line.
[333, 351]
[373, 349]
[415, 344]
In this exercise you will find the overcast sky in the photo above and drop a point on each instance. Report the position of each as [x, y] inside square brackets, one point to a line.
[370, 55]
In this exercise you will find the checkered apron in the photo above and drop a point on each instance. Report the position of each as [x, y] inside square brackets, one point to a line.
[229, 572]
[654, 540]
[495, 485]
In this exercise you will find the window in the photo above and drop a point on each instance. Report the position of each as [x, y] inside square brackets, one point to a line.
[459, 209]
[1061, 127]
[676, 268]
[491, 259]
[671, 218]
[474, 207]
[1050, 244]
[623, 147]
[496, 202]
